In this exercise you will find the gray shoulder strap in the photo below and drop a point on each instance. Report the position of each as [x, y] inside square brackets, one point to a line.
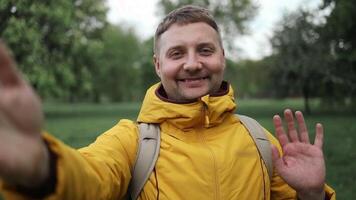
[260, 137]
[147, 154]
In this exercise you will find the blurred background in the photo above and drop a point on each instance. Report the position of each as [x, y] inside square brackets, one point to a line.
[91, 63]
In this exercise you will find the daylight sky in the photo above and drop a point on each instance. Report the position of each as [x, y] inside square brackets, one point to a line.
[144, 16]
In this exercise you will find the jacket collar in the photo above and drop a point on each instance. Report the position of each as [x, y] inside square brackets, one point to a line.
[207, 111]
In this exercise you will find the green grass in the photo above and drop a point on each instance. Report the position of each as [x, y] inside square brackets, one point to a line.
[79, 125]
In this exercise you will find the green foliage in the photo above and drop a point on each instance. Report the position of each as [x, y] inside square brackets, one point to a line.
[69, 52]
[317, 59]
[49, 41]
[120, 65]
[298, 56]
[250, 78]
[339, 34]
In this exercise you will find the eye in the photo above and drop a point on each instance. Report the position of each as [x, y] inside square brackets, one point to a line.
[206, 51]
[175, 54]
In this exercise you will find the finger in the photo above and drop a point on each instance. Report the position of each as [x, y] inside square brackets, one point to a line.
[292, 132]
[282, 137]
[303, 131]
[9, 76]
[319, 137]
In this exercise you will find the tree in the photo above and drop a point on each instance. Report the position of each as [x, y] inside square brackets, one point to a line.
[339, 33]
[119, 69]
[299, 57]
[88, 26]
[49, 41]
[250, 78]
[232, 15]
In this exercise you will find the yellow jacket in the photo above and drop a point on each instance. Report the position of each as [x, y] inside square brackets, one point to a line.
[205, 153]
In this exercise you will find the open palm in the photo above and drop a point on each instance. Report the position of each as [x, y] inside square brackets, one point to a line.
[302, 164]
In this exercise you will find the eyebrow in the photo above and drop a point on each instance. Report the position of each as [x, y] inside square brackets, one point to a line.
[180, 47]
[209, 44]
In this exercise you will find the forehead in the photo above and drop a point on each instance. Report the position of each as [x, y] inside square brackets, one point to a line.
[188, 35]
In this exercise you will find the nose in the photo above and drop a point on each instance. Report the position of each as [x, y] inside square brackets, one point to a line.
[192, 63]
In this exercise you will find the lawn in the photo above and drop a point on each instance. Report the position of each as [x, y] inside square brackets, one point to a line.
[79, 124]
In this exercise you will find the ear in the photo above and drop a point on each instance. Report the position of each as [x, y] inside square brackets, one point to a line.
[157, 65]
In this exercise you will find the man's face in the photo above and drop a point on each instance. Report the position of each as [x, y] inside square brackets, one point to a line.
[190, 61]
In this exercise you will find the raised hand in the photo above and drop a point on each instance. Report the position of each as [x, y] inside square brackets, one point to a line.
[302, 164]
[23, 154]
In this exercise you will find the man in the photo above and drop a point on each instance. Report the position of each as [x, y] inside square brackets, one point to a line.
[205, 151]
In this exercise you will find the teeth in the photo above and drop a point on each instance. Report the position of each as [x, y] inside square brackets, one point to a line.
[193, 79]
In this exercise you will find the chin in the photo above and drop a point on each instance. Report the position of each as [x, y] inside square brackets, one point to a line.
[192, 95]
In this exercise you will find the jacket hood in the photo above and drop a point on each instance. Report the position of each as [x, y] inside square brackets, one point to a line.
[207, 111]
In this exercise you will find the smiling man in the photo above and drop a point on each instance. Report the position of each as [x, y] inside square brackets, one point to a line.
[189, 60]
[205, 152]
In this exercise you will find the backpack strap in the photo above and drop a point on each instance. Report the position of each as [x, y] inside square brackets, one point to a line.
[260, 138]
[147, 154]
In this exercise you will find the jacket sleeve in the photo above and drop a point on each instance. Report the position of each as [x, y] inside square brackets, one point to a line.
[101, 170]
[280, 189]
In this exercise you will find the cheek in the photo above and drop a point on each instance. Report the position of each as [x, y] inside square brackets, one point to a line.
[169, 70]
[217, 66]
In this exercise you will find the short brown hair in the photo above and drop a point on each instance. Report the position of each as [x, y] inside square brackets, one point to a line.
[182, 16]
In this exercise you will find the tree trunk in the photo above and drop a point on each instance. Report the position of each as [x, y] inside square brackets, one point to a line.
[306, 91]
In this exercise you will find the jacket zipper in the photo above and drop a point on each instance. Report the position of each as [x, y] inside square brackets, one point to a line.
[212, 155]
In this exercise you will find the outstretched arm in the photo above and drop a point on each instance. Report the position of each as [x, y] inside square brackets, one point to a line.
[302, 164]
[99, 171]
[24, 159]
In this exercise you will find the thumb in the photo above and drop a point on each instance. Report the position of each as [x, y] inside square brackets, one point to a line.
[276, 157]
[275, 153]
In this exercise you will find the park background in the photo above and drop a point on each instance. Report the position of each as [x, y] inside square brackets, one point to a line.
[91, 72]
